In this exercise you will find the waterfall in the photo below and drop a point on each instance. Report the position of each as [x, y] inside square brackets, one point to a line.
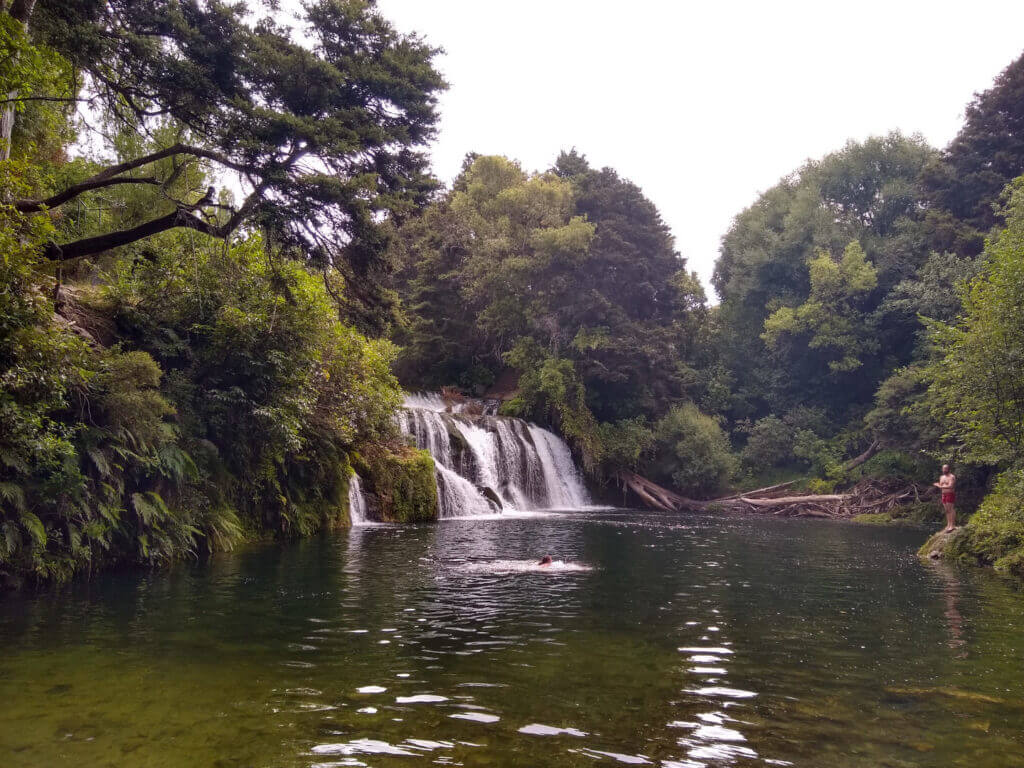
[356, 501]
[487, 464]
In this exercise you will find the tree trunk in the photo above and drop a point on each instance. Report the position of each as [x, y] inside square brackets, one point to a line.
[20, 10]
[856, 462]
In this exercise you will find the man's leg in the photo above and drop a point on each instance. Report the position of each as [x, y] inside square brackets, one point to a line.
[950, 517]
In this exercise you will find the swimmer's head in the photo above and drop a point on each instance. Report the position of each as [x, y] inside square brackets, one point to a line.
[546, 560]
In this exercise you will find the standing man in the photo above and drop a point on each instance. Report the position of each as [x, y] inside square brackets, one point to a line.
[947, 486]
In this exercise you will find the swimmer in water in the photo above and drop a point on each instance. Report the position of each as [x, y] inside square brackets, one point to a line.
[545, 561]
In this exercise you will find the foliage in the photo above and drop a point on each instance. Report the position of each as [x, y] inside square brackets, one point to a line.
[979, 370]
[831, 318]
[904, 415]
[402, 482]
[865, 193]
[964, 184]
[769, 444]
[263, 373]
[691, 451]
[322, 125]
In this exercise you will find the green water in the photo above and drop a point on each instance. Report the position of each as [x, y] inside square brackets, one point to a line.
[690, 642]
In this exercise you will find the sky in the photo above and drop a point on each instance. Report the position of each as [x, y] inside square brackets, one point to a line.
[707, 104]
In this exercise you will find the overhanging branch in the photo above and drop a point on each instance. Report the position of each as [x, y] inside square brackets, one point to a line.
[182, 216]
[92, 245]
[33, 206]
[113, 175]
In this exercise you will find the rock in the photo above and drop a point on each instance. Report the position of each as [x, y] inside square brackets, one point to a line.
[490, 494]
[936, 546]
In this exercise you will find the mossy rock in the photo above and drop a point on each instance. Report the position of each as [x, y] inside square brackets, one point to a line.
[944, 545]
[458, 442]
[402, 480]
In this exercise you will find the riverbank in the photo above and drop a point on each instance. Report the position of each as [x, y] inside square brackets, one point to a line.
[993, 536]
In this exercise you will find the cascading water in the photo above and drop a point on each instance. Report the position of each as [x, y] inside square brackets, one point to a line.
[487, 464]
[357, 510]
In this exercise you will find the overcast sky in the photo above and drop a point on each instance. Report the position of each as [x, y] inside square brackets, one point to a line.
[703, 104]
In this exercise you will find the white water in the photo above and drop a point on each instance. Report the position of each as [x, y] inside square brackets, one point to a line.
[524, 566]
[527, 467]
[357, 502]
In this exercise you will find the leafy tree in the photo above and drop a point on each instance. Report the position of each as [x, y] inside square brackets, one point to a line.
[322, 134]
[963, 185]
[832, 318]
[979, 374]
[690, 451]
[866, 193]
[769, 444]
[933, 292]
[639, 313]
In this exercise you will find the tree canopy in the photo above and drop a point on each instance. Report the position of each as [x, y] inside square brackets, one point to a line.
[321, 128]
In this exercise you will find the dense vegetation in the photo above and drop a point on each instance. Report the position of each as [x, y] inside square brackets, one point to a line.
[222, 252]
[180, 370]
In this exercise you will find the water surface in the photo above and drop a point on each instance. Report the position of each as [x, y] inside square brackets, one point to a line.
[660, 640]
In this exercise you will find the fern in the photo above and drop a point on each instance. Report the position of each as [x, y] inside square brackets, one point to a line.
[36, 530]
[14, 495]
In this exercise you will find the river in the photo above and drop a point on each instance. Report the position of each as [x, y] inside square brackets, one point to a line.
[654, 640]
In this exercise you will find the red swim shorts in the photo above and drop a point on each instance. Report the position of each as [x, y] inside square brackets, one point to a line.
[948, 498]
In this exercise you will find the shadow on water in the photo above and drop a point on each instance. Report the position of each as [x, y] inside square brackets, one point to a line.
[681, 641]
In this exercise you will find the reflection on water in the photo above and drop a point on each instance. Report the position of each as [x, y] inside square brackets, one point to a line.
[657, 640]
[951, 593]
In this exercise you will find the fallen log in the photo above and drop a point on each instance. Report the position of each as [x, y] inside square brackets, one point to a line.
[867, 496]
[656, 496]
[757, 492]
[788, 500]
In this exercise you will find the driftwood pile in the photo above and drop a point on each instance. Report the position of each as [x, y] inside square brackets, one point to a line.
[867, 496]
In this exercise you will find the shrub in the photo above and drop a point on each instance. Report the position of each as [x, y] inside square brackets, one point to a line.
[769, 444]
[690, 451]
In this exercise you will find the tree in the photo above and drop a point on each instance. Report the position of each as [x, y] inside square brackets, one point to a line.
[979, 372]
[865, 192]
[832, 317]
[321, 134]
[963, 185]
[639, 314]
[490, 263]
[690, 451]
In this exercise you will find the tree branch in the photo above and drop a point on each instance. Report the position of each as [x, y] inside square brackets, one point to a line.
[32, 206]
[112, 175]
[42, 98]
[91, 245]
